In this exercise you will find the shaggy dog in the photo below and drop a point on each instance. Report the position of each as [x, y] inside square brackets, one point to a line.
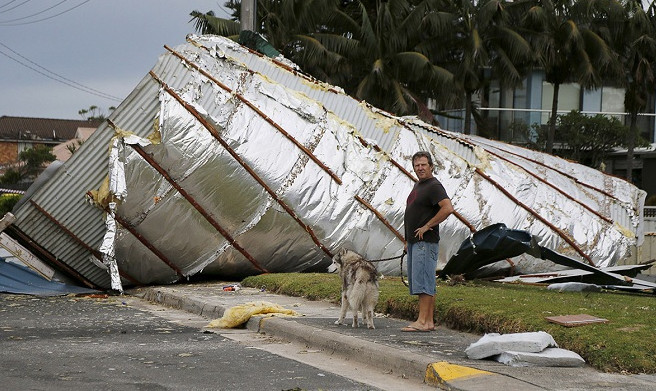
[359, 286]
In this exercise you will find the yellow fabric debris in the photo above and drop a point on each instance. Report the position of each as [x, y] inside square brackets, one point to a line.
[240, 314]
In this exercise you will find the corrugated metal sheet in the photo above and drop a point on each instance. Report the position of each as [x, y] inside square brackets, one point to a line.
[64, 196]
[576, 210]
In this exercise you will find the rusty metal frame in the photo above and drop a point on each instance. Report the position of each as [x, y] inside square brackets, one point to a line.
[380, 217]
[87, 247]
[259, 112]
[143, 240]
[394, 162]
[362, 140]
[606, 219]
[210, 128]
[534, 213]
[198, 207]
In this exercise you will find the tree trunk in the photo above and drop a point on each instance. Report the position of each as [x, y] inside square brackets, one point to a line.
[630, 144]
[468, 111]
[551, 132]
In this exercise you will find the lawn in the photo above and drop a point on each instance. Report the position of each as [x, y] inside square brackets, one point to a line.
[626, 344]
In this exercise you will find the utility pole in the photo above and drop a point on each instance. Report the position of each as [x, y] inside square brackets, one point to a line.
[248, 15]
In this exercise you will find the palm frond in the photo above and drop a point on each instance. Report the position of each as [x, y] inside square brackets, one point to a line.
[339, 44]
[207, 23]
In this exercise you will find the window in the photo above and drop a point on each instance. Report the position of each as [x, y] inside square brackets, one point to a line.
[569, 98]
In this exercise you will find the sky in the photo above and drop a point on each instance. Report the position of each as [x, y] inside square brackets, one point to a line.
[99, 50]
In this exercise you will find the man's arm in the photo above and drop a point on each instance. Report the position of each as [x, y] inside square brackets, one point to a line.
[446, 208]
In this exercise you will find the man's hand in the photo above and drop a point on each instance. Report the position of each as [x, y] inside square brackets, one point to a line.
[419, 232]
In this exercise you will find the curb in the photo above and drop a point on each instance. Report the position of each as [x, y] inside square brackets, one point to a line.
[457, 377]
[408, 364]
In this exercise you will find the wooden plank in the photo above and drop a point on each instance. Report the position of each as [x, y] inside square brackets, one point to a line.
[26, 257]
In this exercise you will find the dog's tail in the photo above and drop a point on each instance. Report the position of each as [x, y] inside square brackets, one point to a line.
[358, 293]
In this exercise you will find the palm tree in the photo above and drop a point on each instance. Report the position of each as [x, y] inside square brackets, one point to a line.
[209, 23]
[477, 37]
[385, 47]
[636, 46]
[287, 25]
[372, 50]
[568, 40]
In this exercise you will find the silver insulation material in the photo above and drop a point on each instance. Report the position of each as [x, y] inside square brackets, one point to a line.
[229, 163]
[107, 249]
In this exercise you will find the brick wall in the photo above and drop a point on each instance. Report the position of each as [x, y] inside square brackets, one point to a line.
[8, 152]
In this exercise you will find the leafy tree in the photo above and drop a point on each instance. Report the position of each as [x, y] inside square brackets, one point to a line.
[11, 176]
[288, 25]
[588, 139]
[32, 163]
[570, 42]
[209, 23]
[34, 160]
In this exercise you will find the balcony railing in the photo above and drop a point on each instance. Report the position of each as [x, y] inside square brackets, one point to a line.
[650, 212]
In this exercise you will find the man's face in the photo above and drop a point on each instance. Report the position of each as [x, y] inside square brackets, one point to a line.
[422, 168]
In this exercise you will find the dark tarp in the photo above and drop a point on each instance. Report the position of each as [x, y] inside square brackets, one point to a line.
[486, 246]
[497, 242]
[19, 279]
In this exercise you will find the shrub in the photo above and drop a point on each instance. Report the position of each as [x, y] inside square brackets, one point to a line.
[7, 202]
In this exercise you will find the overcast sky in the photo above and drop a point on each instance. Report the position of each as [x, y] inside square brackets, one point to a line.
[104, 45]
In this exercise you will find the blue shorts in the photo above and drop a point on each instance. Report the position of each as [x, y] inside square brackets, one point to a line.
[422, 263]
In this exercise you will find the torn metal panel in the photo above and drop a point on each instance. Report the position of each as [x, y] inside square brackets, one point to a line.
[19, 279]
[64, 196]
[497, 242]
[245, 165]
[573, 275]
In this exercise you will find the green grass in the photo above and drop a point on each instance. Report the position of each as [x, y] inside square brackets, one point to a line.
[626, 344]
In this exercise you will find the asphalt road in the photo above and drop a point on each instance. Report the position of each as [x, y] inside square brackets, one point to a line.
[108, 343]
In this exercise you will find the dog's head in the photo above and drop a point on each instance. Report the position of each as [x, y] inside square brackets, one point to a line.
[343, 257]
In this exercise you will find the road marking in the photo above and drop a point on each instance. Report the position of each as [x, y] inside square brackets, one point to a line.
[440, 372]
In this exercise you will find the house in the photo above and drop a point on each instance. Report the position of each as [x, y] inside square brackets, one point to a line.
[530, 104]
[20, 133]
[65, 150]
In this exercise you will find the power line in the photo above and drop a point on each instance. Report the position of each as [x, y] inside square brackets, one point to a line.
[41, 20]
[60, 79]
[14, 7]
[29, 16]
[6, 4]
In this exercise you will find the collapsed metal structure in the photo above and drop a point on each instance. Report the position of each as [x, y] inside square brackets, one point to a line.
[226, 162]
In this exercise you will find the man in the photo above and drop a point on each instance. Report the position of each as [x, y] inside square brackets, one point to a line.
[427, 206]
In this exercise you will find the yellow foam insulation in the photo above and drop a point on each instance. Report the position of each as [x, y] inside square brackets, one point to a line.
[625, 231]
[240, 314]
[102, 196]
